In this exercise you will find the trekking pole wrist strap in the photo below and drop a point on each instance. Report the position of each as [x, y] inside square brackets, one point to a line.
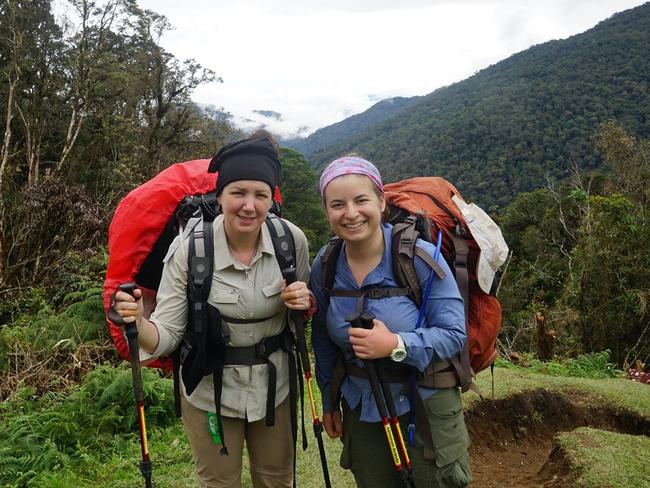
[312, 306]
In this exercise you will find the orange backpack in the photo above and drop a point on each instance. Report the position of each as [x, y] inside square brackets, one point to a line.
[472, 245]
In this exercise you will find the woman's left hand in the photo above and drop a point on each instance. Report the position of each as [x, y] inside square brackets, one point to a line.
[296, 296]
[374, 343]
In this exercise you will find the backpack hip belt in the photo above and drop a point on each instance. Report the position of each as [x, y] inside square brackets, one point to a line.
[259, 354]
[437, 375]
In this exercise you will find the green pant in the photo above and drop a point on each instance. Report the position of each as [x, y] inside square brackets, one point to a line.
[366, 452]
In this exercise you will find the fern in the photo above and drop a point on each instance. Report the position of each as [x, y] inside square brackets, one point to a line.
[94, 421]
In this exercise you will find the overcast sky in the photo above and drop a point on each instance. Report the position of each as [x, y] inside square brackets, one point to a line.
[318, 61]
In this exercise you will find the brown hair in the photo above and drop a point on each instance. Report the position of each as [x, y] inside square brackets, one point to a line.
[259, 134]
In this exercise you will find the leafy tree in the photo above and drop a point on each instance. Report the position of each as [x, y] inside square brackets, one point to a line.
[610, 288]
[165, 85]
[629, 160]
[92, 101]
[582, 258]
[302, 204]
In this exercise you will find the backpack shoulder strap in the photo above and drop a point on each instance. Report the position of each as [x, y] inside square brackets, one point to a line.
[426, 257]
[403, 253]
[200, 262]
[404, 250]
[328, 262]
[283, 244]
[285, 253]
[199, 281]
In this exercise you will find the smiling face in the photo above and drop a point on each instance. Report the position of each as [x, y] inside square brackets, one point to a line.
[245, 204]
[354, 207]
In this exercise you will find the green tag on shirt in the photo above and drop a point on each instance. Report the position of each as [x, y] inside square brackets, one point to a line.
[213, 429]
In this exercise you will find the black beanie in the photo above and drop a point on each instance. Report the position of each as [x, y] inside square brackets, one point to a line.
[248, 159]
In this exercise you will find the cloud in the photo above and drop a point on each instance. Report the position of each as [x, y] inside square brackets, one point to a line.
[300, 7]
[316, 62]
[270, 114]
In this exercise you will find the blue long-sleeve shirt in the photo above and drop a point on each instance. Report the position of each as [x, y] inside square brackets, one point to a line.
[440, 336]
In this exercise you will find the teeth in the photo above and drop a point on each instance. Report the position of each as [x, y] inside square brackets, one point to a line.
[354, 226]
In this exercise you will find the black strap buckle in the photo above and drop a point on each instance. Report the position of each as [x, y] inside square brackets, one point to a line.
[375, 293]
[261, 350]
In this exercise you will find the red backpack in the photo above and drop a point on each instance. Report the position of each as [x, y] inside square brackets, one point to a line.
[142, 229]
[145, 223]
[472, 245]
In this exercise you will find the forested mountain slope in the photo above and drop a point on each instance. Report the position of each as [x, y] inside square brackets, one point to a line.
[529, 117]
[333, 134]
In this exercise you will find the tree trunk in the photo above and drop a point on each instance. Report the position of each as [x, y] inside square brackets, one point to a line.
[4, 160]
[3, 261]
[32, 148]
[71, 137]
[7, 136]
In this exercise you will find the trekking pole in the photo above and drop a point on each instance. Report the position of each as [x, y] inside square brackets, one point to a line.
[367, 323]
[301, 344]
[134, 351]
[356, 320]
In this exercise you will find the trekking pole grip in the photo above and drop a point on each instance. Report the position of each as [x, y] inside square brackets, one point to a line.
[367, 320]
[354, 320]
[130, 328]
[290, 275]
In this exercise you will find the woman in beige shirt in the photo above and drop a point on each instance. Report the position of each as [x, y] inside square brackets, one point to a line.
[252, 298]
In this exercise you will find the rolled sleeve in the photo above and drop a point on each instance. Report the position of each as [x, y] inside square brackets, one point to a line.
[170, 315]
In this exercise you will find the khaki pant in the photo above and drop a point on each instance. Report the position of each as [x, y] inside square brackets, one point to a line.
[366, 453]
[270, 449]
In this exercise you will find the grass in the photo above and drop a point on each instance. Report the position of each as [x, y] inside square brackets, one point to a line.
[170, 455]
[603, 459]
[172, 465]
[615, 392]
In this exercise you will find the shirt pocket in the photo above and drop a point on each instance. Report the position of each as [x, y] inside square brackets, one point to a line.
[227, 302]
[226, 297]
[228, 280]
[271, 302]
[272, 289]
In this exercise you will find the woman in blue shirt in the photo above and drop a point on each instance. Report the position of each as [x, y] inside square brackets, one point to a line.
[353, 198]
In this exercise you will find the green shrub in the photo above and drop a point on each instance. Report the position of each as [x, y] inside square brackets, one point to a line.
[595, 365]
[99, 416]
[78, 272]
[16, 303]
[44, 333]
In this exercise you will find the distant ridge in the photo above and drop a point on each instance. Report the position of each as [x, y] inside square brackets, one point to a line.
[516, 123]
[351, 126]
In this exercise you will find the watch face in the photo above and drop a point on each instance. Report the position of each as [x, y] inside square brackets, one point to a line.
[398, 355]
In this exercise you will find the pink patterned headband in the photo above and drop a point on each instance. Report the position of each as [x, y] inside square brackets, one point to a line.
[350, 165]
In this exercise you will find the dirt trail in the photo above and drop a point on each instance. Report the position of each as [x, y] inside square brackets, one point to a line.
[512, 439]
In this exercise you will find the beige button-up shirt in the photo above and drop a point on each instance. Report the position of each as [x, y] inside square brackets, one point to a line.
[239, 292]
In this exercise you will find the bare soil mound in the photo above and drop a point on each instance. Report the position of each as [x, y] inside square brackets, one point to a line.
[512, 439]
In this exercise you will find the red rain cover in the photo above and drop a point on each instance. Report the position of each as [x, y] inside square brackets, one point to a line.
[137, 224]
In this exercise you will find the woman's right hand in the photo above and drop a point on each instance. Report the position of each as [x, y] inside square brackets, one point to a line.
[333, 424]
[129, 306]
